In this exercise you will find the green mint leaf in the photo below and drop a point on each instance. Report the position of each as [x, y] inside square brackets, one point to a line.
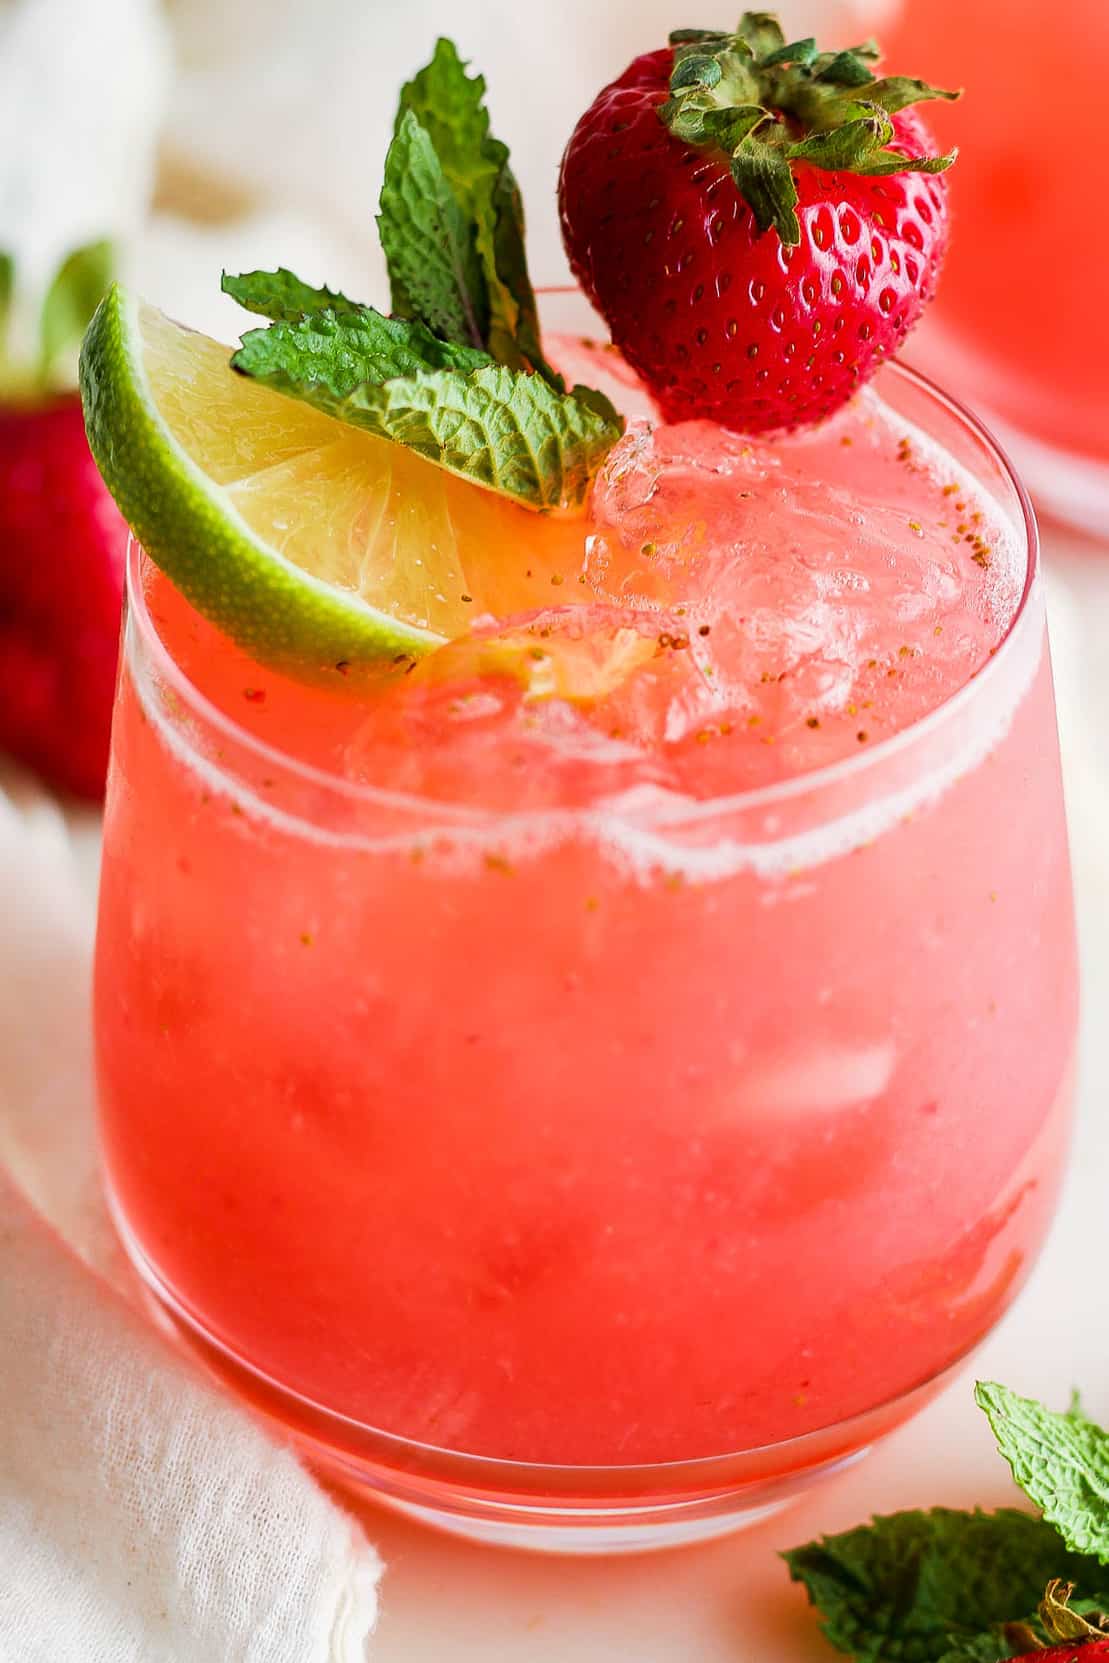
[1060, 1461]
[599, 403]
[501, 428]
[449, 106]
[916, 1587]
[328, 355]
[282, 296]
[434, 270]
[505, 429]
[73, 296]
[514, 332]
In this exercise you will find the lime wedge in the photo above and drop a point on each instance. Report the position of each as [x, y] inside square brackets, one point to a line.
[308, 542]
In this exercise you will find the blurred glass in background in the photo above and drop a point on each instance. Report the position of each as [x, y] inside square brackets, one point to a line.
[1020, 328]
[281, 113]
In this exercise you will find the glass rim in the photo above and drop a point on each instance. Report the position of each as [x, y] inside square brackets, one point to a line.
[687, 811]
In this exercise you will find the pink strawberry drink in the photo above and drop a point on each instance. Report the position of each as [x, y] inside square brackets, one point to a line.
[677, 1074]
[585, 987]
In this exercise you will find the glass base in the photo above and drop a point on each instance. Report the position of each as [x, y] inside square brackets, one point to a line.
[549, 1528]
[570, 1510]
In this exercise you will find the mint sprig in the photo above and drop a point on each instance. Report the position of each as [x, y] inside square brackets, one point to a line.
[458, 373]
[448, 107]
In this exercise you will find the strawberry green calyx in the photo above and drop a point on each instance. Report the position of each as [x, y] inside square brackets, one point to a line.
[1063, 1621]
[768, 104]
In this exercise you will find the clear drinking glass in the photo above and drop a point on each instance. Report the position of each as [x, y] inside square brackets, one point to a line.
[588, 1179]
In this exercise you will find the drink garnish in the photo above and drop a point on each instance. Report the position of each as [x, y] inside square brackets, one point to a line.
[309, 526]
[457, 372]
[760, 223]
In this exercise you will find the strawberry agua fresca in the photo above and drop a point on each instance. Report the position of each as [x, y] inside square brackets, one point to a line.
[589, 1067]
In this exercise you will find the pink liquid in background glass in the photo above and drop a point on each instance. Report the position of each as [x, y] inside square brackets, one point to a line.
[1021, 322]
[571, 1134]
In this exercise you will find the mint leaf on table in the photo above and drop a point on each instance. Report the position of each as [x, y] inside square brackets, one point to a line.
[501, 428]
[934, 1587]
[281, 296]
[448, 107]
[1060, 1461]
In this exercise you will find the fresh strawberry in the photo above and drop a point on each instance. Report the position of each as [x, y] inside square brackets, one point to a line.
[758, 223]
[62, 546]
[1069, 1651]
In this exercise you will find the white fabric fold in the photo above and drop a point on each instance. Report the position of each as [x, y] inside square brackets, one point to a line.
[144, 1516]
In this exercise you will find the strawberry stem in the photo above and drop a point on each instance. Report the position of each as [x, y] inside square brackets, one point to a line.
[1061, 1622]
[768, 104]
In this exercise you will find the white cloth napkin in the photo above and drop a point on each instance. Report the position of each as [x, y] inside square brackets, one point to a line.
[144, 1517]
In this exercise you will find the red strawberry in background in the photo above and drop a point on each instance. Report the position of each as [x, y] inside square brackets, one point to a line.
[759, 224]
[62, 547]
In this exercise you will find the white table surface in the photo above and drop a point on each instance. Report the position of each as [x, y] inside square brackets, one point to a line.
[731, 1601]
